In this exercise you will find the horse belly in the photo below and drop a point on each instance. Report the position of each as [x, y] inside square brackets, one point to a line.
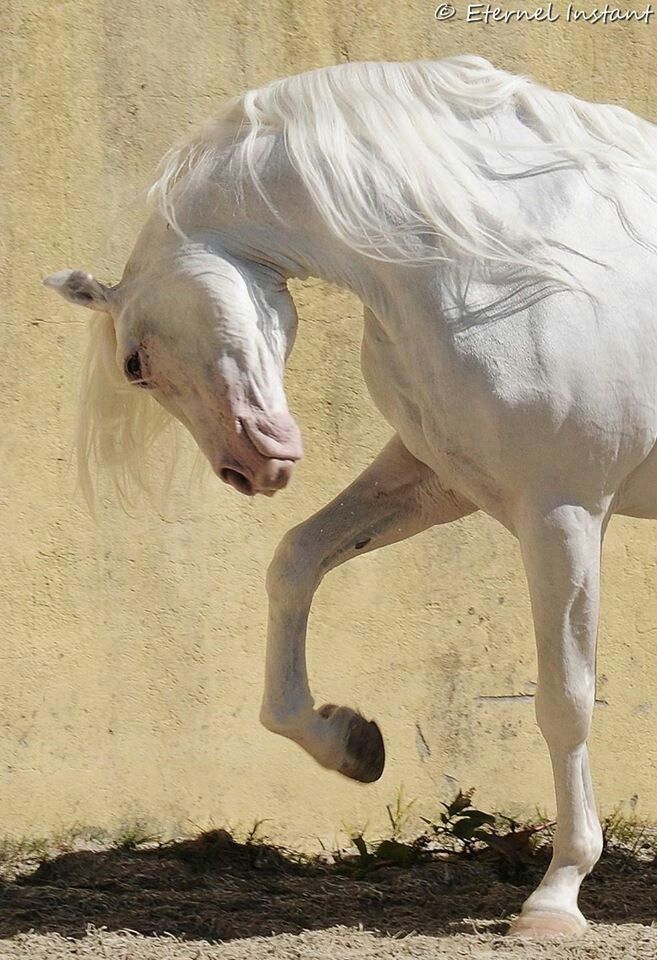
[637, 496]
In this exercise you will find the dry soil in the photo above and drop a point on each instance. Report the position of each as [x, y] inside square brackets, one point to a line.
[213, 898]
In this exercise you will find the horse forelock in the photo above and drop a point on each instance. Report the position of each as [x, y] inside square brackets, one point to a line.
[119, 424]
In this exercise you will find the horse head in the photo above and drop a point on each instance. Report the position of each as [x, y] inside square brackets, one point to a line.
[207, 335]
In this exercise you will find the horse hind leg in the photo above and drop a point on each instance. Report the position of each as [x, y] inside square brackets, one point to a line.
[393, 499]
[561, 552]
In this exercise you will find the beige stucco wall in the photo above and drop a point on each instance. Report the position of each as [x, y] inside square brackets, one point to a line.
[132, 646]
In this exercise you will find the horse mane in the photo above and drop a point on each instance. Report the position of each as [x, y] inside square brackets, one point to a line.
[393, 158]
[118, 424]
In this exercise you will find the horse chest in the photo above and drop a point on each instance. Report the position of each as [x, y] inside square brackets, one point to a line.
[413, 404]
[392, 387]
[408, 396]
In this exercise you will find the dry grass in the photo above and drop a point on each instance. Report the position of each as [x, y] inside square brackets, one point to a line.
[212, 897]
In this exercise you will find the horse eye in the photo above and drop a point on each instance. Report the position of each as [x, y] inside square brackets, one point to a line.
[133, 367]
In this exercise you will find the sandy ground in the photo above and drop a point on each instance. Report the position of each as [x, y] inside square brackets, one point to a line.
[337, 943]
[212, 898]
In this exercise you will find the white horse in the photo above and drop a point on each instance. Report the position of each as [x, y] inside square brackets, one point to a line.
[499, 237]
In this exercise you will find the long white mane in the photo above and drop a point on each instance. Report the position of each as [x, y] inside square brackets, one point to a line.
[119, 425]
[396, 158]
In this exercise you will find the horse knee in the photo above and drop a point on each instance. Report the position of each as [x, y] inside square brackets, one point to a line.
[581, 850]
[292, 564]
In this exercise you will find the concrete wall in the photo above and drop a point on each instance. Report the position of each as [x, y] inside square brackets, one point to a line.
[132, 648]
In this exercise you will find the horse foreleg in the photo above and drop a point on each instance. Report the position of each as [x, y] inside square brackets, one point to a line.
[561, 553]
[393, 499]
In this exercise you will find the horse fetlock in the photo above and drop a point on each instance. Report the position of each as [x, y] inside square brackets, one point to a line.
[362, 747]
[284, 722]
[338, 738]
[581, 854]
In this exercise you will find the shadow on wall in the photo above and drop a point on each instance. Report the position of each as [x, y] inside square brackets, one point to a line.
[213, 888]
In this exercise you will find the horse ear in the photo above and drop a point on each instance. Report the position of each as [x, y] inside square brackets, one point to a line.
[81, 288]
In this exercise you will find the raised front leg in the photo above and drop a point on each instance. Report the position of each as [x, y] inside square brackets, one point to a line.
[561, 552]
[394, 498]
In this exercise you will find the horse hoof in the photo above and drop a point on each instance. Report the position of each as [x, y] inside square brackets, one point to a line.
[543, 926]
[364, 747]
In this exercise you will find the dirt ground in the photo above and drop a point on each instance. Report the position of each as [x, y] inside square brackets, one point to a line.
[213, 898]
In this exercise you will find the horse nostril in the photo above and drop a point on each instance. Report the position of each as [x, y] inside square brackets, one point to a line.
[236, 479]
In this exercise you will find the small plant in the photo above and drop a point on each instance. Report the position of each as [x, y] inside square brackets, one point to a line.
[17, 854]
[255, 835]
[385, 853]
[632, 839]
[389, 852]
[469, 831]
[399, 814]
[461, 822]
[134, 835]
[16, 851]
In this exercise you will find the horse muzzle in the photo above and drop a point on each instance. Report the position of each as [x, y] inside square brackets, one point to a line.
[269, 446]
[274, 476]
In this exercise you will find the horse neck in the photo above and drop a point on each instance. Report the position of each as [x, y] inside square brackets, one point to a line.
[295, 242]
